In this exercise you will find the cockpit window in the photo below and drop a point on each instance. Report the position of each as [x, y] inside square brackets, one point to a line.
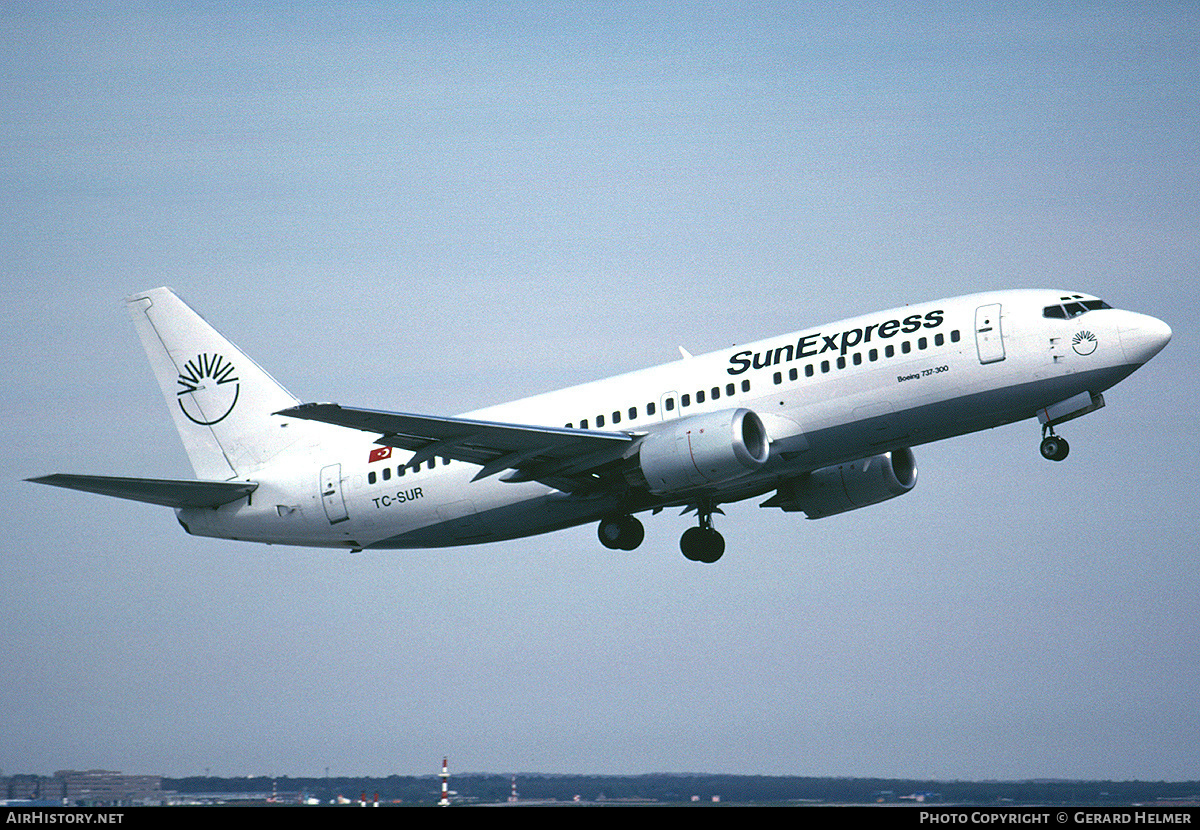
[1073, 307]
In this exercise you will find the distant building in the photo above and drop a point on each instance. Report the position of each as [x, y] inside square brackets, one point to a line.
[90, 787]
[29, 788]
[99, 786]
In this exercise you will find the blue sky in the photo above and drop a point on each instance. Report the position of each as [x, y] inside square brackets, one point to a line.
[434, 207]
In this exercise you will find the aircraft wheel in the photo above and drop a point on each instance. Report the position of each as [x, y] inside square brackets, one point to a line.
[1054, 448]
[714, 547]
[701, 544]
[632, 533]
[609, 532]
[1063, 449]
[621, 533]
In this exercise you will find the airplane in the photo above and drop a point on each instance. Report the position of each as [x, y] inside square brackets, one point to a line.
[824, 420]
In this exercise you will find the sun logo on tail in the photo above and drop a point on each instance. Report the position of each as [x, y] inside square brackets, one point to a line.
[206, 396]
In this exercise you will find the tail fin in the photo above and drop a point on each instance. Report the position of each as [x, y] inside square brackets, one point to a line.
[221, 400]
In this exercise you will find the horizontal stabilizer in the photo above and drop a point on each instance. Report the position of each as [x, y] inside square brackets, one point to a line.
[162, 491]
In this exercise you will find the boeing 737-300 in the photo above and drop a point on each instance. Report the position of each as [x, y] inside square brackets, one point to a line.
[823, 420]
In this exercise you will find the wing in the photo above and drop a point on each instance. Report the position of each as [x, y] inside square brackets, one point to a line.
[166, 492]
[567, 459]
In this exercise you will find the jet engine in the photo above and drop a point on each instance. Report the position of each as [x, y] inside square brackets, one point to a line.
[832, 490]
[700, 450]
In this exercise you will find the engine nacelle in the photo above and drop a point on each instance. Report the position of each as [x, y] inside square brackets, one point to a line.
[700, 450]
[832, 490]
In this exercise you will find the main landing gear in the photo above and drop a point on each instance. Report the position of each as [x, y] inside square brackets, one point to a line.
[621, 532]
[699, 544]
[1054, 448]
[702, 544]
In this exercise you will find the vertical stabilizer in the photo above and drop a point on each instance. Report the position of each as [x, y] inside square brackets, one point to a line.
[221, 400]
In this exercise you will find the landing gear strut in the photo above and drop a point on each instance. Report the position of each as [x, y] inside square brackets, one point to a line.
[1054, 448]
[621, 532]
[702, 544]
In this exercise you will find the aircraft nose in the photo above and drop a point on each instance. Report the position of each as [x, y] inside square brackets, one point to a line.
[1143, 336]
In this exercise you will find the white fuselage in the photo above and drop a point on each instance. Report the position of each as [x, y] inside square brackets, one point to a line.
[844, 391]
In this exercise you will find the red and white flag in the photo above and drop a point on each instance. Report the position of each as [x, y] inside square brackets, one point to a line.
[379, 454]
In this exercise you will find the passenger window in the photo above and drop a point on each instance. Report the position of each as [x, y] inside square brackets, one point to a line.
[793, 374]
[922, 342]
[939, 339]
[809, 371]
[401, 470]
[716, 393]
[387, 473]
[906, 347]
[778, 378]
[650, 408]
[729, 390]
[824, 366]
[670, 404]
[889, 351]
[583, 424]
[632, 412]
[371, 477]
[685, 400]
[700, 396]
[746, 386]
[599, 421]
[873, 355]
[841, 362]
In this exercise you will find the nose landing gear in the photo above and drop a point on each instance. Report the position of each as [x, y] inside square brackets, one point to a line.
[1053, 447]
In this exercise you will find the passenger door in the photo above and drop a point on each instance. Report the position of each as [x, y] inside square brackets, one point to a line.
[988, 338]
[331, 494]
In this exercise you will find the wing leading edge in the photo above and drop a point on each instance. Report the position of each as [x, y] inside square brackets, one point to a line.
[566, 459]
[161, 491]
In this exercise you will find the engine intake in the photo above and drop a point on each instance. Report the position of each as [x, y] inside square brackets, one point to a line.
[842, 487]
[699, 450]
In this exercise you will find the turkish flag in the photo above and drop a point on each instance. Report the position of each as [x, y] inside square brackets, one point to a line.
[379, 454]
